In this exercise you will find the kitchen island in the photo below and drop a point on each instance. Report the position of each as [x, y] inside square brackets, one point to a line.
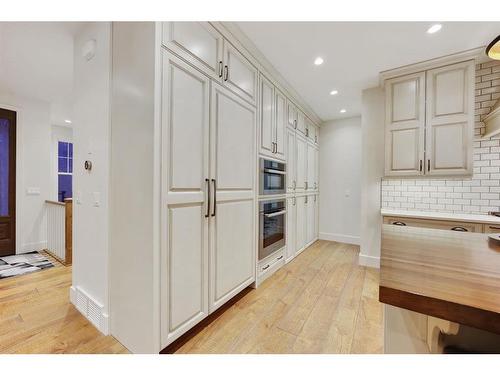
[437, 284]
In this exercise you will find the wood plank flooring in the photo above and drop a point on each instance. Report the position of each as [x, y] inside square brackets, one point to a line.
[321, 302]
[37, 317]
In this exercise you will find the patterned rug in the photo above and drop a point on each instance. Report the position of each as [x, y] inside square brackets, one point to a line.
[14, 265]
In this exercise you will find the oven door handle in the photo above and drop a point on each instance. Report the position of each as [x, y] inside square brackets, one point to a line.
[275, 214]
[274, 171]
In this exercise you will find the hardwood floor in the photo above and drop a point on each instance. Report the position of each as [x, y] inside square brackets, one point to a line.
[321, 302]
[37, 317]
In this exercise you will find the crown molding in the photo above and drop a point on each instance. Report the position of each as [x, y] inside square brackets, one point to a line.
[471, 54]
[241, 41]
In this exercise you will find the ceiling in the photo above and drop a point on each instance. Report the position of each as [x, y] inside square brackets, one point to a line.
[354, 53]
[36, 61]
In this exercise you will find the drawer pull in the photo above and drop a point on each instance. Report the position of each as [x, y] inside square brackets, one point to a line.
[460, 229]
[265, 268]
[498, 228]
[281, 257]
[400, 223]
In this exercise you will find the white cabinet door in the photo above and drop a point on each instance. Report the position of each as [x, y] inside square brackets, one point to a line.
[301, 231]
[267, 118]
[197, 42]
[404, 127]
[233, 170]
[316, 216]
[291, 228]
[301, 163]
[316, 169]
[292, 115]
[184, 260]
[450, 119]
[311, 218]
[311, 167]
[239, 74]
[301, 122]
[280, 125]
[291, 160]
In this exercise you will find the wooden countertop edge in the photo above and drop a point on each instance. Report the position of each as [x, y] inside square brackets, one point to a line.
[451, 311]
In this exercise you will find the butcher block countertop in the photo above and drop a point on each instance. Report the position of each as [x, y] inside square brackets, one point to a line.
[450, 275]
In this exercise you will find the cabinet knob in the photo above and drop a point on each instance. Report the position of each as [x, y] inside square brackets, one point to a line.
[460, 229]
[400, 223]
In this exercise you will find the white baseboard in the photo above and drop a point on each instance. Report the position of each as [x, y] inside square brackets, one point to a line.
[369, 261]
[90, 309]
[344, 238]
[32, 246]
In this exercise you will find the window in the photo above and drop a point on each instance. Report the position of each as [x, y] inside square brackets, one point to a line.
[64, 170]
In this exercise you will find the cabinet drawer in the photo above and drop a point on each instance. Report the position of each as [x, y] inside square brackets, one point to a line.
[491, 228]
[436, 224]
[269, 264]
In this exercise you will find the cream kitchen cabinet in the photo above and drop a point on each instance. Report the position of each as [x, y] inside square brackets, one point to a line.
[301, 223]
[301, 163]
[233, 165]
[311, 219]
[186, 200]
[430, 122]
[449, 115]
[272, 120]
[199, 43]
[203, 46]
[301, 123]
[312, 183]
[209, 161]
[291, 159]
[292, 115]
[291, 228]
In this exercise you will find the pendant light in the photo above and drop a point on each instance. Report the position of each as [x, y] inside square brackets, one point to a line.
[493, 49]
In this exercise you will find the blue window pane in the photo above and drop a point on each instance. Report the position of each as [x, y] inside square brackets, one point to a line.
[4, 167]
[70, 150]
[70, 170]
[62, 149]
[65, 187]
[62, 165]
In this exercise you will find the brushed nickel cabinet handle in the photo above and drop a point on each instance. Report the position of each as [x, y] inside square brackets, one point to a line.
[281, 257]
[306, 199]
[428, 165]
[295, 124]
[208, 194]
[420, 165]
[265, 268]
[215, 196]
[220, 69]
[460, 229]
[226, 73]
[400, 223]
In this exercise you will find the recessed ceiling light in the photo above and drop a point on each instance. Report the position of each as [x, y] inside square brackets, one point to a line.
[318, 61]
[334, 92]
[67, 121]
[343, 110]
[434, 28]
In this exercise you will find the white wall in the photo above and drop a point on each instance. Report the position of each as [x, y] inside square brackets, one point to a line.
[340, 180]
[135, 184]
[91, 135]
[33, 169]
[372, 170]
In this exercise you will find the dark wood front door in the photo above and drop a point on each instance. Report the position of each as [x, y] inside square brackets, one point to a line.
[7, 182]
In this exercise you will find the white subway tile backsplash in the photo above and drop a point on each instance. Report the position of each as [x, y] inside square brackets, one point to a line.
[479, 194]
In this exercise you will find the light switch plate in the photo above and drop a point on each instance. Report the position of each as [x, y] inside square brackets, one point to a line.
[33, 191]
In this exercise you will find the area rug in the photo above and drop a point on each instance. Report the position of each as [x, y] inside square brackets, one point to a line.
[14, 265]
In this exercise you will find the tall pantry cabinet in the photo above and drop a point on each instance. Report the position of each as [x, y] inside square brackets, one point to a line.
[184, 156]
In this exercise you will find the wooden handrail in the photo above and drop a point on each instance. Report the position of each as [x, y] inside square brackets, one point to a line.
[55, 202]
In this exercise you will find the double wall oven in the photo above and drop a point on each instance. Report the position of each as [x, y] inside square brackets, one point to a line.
[272, 212]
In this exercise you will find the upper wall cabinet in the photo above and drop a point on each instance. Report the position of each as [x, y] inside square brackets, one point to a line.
[239, 74]
[204, 47]
[404, 128]
[430, 122]
[197, 42]
[292, 115]
[450, 119]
